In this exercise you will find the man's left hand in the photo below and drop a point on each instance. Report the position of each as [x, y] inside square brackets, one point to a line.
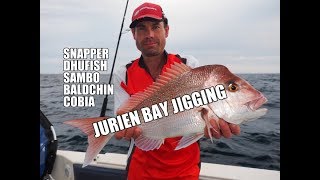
[226, 129]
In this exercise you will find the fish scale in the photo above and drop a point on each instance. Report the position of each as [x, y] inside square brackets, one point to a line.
[181, 123]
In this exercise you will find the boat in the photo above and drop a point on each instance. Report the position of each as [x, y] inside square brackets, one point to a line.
[111, 166]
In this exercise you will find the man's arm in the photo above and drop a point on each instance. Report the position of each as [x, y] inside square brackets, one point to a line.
[120, 96]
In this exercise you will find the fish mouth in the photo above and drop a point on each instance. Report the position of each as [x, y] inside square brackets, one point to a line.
[256, 103]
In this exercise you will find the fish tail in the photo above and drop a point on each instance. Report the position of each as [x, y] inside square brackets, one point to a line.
[95, 143]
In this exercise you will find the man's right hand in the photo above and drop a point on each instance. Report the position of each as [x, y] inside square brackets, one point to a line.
[128, 133]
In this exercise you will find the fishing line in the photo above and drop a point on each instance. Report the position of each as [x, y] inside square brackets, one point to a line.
[105, 100]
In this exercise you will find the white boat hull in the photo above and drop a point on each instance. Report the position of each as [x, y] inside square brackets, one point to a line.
[68, 166]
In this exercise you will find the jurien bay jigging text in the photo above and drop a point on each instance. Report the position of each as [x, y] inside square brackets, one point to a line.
[157, 111]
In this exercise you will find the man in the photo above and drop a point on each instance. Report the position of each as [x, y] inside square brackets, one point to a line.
[150, 29]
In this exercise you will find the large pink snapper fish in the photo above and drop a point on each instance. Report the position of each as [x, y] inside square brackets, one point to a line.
[241, 103]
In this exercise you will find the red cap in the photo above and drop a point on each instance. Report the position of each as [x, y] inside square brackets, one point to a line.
[146, 10]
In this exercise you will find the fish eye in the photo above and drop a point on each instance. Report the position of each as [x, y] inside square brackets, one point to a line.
[233, 87]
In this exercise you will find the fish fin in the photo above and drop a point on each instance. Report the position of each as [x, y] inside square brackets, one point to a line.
[130, 148]
[174, 71]
[95, 144]
[208, 114]
[188, 140]
[148, 144]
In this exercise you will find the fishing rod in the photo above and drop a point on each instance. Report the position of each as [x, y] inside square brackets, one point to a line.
[105, 100]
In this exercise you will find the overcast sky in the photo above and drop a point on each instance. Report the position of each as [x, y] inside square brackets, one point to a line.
[244, 35]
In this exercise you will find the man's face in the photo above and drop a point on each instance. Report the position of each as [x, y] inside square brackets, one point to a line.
[150, 37]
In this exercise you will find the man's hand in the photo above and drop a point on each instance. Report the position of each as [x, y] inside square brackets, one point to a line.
[128, 133]
[226, 129]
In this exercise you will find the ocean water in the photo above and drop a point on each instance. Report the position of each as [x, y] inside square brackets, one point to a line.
[257, 146]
